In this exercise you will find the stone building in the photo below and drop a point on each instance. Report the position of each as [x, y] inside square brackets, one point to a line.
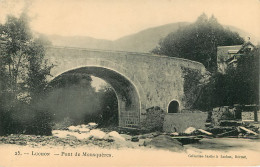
[227, 56]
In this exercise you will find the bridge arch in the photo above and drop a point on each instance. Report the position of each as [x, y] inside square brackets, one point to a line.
[156, 79]
[173, 106]
[126, 90]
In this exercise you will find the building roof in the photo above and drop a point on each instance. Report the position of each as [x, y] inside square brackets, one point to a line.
[233, 51]
[245, 45]
[233, 46]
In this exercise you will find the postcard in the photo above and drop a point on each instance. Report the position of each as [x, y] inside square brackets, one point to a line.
[129, 83]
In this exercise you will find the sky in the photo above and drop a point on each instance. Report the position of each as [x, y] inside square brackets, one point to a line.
[112, 19]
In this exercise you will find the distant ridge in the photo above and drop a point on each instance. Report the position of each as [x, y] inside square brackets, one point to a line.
[146, 40]
[143, 41]
[79, 41]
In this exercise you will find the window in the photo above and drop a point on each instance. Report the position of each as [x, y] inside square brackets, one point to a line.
[173, 107]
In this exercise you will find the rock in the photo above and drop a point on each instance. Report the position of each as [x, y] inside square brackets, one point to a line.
[146, 142]
[22, 143]
[83, 126]
[11, 142]
[108, 138]
[174, 134]
[82, 136]
[190, 130]
[84, 130]
[135, 139]
[97, 134]
[148, 135]
[92, 125]
[116, 136]
[127, 137]
[142, 136]
[73, 128]
[60, 133]
[165, 142]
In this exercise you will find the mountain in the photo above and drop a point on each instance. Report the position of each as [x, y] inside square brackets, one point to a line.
[146, 40]
[79, 41]
[143, 41]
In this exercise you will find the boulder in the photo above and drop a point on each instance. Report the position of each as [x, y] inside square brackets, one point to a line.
[174, 134]
[148, 135]
[84, 130]
[60, 133]
[73, 128]
[82, 136]
[126, 136]
[190, 130]
[116, 136]
[92, 125]
[83, 126]
[97, 134]
[135, 139]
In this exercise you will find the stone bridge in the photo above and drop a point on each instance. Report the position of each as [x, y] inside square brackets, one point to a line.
[140, 80]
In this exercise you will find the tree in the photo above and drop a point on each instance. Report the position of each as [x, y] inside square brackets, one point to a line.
[23, 72]
[22, 58]
[239, 85]
[243, 80]
[109, 106]
[198, 41]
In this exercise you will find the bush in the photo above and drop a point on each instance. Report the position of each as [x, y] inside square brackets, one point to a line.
[41, 123]
[23, 119]
[8, 125]
[154, 119]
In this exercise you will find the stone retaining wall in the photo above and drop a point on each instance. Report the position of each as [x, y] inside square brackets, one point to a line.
[178, 122]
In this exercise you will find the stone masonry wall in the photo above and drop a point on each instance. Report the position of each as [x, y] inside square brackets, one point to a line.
[178, 122]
